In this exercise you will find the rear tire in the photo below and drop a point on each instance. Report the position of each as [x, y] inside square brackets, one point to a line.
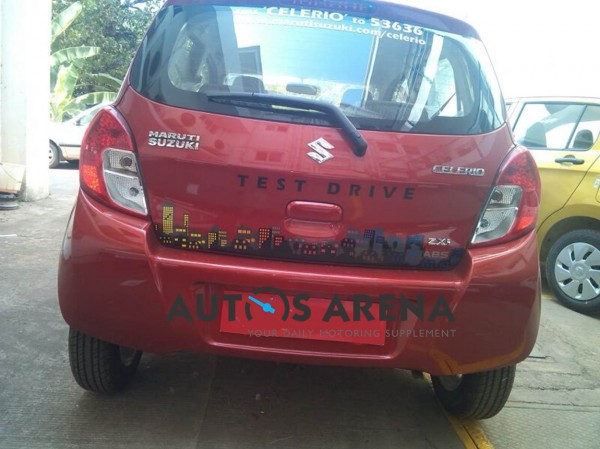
[100, 366]
[573, 270]
[475, 396]
[53, 156]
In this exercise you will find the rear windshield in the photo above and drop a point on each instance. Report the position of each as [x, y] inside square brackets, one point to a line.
[384, 75]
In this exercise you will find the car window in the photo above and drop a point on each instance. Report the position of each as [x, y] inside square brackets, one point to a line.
[587, 130]
[558, 126]
[87, 118]
[401, 77]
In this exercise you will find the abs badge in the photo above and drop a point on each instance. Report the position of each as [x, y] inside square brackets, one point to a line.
[321, 151]
[173, 140]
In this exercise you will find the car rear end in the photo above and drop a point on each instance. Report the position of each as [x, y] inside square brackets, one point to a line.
[315, 182]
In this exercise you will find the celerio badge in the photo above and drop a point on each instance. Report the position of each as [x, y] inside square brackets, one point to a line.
[320, 153]
[460, 171]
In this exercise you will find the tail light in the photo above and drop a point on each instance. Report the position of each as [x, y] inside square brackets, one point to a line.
[109, 169]
[511, 210]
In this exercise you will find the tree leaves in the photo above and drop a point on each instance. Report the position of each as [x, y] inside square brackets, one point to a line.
[116, 26]
[105, 80]
[68, 55]
[76, 105]
[64, 20]
[65, 70]
[92, 54]
[62, 93]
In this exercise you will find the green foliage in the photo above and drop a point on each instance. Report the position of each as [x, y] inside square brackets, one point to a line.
[82, 102]
[63, 20]
[93, 42]
[104, 79]
[116, 27]
[65, 68]
[69, 55]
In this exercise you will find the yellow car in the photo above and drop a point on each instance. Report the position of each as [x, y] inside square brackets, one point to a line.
[562, 134]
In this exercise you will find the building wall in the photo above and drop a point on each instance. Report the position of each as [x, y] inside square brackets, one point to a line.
[24, 91]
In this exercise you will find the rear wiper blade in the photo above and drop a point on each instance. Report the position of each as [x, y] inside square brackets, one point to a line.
[333, 113]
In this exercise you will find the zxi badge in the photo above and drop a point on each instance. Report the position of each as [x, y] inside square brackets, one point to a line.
[320, 153]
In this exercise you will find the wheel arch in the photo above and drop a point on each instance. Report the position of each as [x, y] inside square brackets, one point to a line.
[58, 147]
[562, 227]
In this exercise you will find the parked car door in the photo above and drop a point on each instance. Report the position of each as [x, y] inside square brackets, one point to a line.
[561, 136]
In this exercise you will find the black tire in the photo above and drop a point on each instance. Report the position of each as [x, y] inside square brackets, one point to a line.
[475, 396]
[53, 156]
[573, 270]
[100, 366]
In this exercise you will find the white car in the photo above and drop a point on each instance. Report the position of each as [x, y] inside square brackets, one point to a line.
[66, 137]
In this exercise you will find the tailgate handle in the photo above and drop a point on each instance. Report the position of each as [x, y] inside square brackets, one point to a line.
[311, 211]
[570, 159]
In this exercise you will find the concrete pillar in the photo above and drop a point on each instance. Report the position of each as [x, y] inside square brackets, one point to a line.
[24, 94]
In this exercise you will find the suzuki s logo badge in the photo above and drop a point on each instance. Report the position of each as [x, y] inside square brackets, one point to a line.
[320, 153]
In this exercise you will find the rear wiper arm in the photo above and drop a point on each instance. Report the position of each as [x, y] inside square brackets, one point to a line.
[333, 113]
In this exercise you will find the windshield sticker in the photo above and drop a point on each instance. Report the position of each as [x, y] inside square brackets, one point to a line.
[310, 18]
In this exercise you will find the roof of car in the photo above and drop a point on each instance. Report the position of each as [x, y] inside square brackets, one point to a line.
[554, 99]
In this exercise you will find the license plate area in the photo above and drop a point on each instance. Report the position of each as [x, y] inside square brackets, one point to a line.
[276, 316]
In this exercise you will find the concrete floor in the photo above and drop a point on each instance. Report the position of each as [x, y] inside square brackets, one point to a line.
[196, 401]
[555, 402]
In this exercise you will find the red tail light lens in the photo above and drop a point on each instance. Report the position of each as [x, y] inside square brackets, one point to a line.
[108, 164]
[512, 208]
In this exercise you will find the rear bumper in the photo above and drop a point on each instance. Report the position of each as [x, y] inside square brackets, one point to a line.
[117, 283]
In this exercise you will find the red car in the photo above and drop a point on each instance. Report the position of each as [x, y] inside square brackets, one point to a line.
[328, 182]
